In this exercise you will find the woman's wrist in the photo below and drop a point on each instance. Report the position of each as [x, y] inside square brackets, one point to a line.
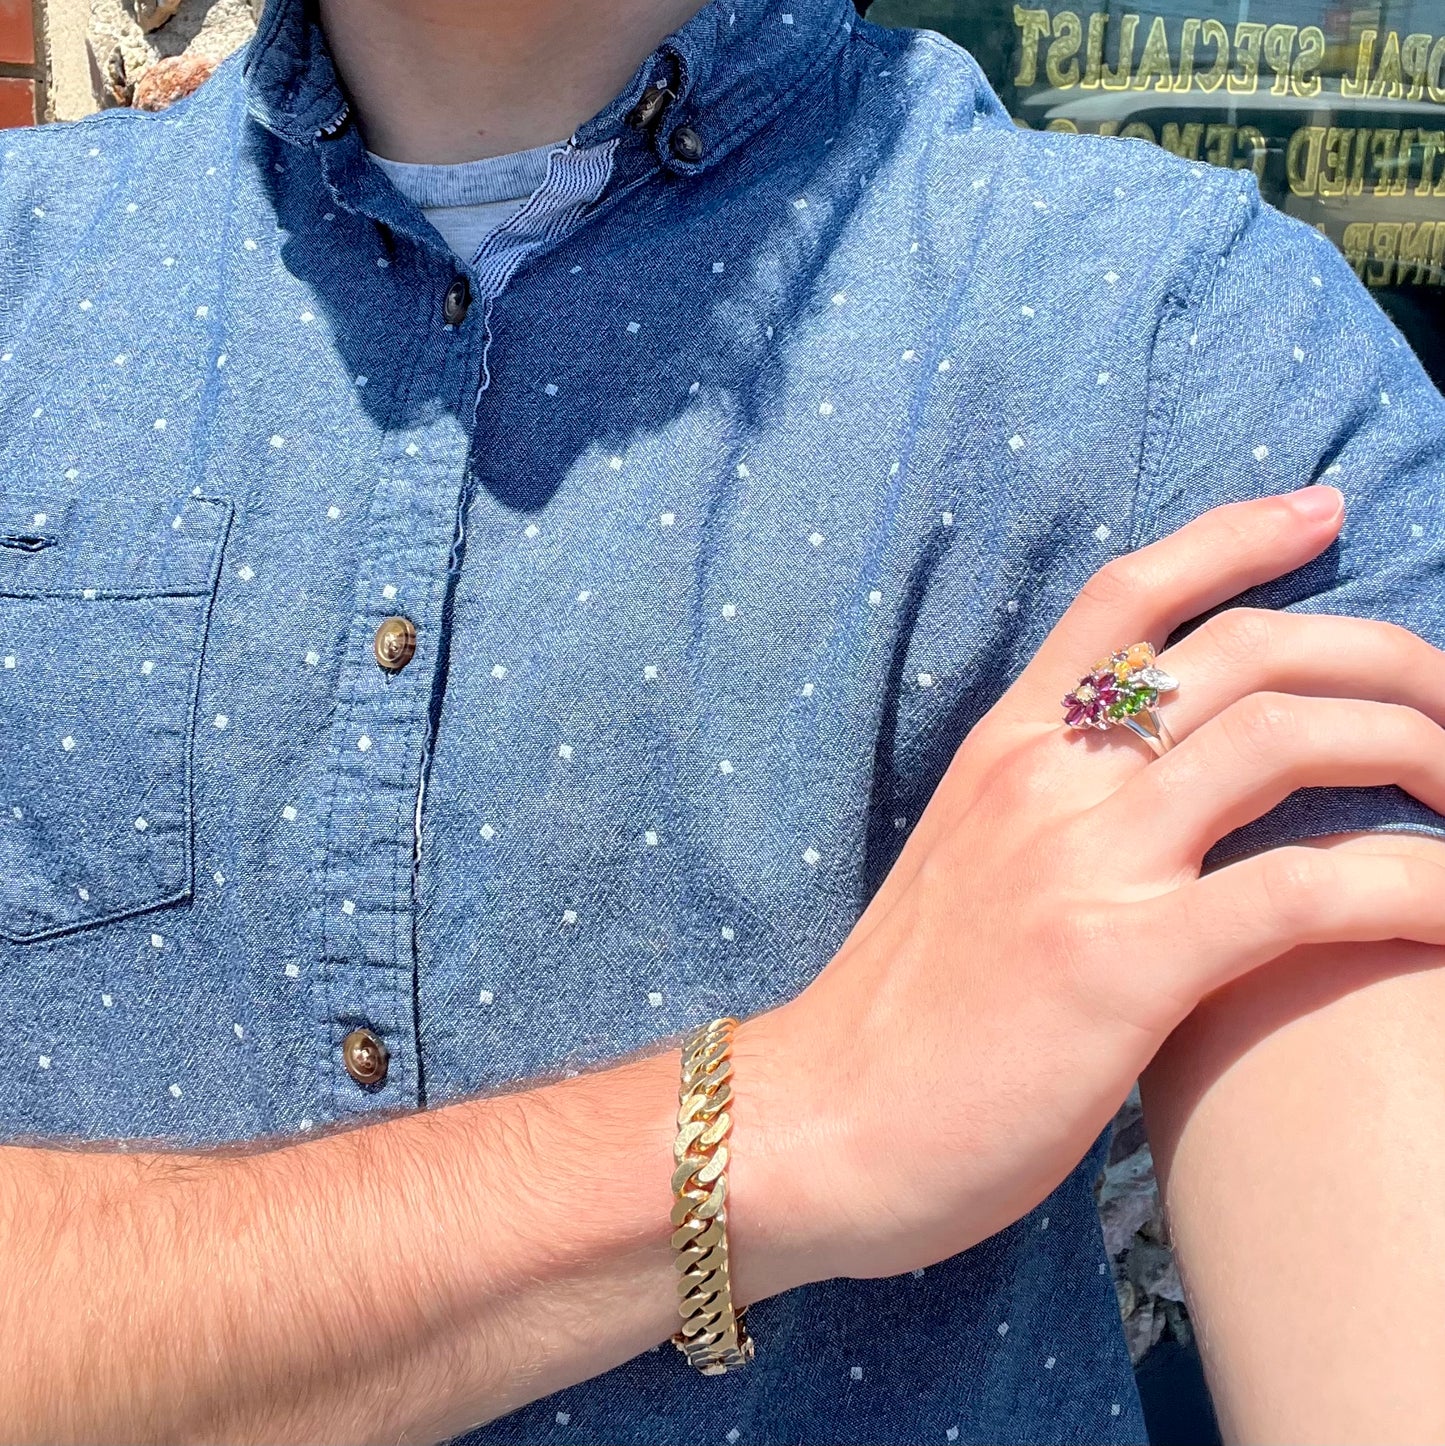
[784, 1207]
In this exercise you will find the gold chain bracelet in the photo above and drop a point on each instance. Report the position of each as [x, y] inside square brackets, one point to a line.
[713, 1337]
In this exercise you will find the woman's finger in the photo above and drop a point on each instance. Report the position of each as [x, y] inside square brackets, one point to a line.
[1242, 762]
[1145, 595]
[1255, 909]
[1252, 650]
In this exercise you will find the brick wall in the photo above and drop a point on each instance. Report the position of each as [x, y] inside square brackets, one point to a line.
[22, 63]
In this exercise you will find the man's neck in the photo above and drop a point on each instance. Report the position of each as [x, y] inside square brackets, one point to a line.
[444, 81]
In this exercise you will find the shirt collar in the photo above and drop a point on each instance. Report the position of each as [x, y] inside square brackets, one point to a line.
[728, 71]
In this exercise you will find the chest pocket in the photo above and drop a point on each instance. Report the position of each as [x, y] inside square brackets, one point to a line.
[103, 613]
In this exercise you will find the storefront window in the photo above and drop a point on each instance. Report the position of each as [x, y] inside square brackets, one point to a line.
[1338, 109]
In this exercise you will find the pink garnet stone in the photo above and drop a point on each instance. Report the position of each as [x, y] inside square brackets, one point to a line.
[1088, 705]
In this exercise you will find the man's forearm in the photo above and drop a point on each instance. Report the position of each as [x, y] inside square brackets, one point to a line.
[398, 1281]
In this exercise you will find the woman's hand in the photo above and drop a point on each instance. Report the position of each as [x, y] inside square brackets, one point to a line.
[1047, 925]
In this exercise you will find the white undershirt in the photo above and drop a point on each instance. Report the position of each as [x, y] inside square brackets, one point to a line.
[467, 202]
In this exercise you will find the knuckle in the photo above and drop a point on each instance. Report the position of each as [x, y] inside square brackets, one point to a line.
[1384, 648]
[1410, 732]
[1420, 877]
[988, 750]
[1118, 582]
[1079, 939]
[937, 873]
[1404, 877]
[1244, 527]
[1018, 778]
[1295, 883]
[1179, 777]
[1241, 635]
[1259, 726]
[1399, 643]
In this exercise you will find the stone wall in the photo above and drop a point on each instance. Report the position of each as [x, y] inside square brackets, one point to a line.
[1151, 1296]
[145, 53]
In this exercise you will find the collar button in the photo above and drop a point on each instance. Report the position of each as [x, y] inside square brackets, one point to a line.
[647, 110]
[686, 144]
[457, 302]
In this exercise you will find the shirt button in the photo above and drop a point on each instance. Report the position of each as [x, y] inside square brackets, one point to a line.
[394, 643]
[457, 301]
[365, 1057]
[649, 107]
[686, 144]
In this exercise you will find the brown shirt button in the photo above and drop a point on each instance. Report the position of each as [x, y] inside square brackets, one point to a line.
[457, 301]
[365, 1057]
[687, 144]
[394, 644]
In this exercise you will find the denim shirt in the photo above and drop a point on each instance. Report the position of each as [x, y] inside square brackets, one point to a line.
[778, 431]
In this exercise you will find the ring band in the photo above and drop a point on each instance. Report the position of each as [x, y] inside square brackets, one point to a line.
[1123, 690]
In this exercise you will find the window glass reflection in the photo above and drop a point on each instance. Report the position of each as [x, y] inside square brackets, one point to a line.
[1338, 109]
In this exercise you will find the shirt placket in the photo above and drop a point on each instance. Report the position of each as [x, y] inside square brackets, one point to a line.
[377, 745]
[380, 740]
[392, 671]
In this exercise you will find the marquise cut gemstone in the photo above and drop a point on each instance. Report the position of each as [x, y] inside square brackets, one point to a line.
[1157, 679]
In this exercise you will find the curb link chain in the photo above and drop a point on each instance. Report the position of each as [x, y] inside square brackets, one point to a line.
[713, 1337]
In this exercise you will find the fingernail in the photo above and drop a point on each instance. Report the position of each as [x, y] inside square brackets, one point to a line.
[1318, 504]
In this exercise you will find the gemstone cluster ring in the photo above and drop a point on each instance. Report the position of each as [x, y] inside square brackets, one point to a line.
[1123, 690]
